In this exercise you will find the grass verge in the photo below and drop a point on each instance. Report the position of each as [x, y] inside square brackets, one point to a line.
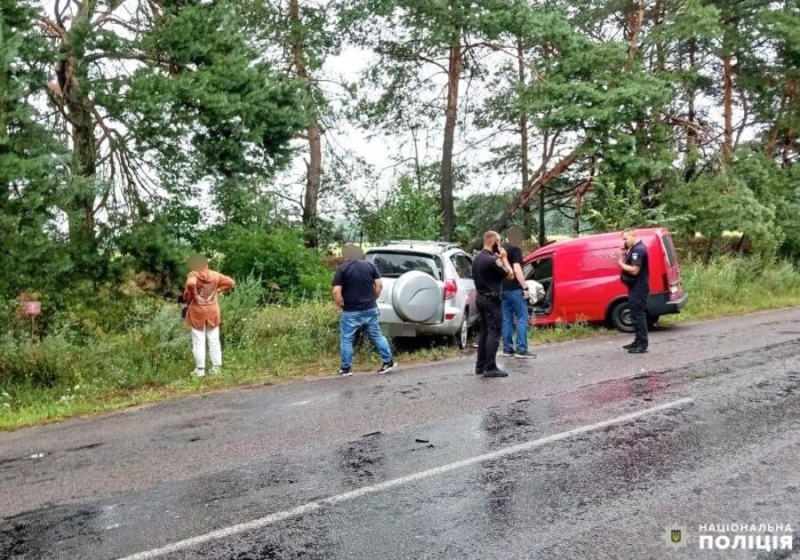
[74, 373]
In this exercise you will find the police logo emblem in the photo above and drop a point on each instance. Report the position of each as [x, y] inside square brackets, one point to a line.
[676, 536]
[635, 257]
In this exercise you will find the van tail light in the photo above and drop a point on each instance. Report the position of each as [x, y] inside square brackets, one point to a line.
[450, 289]
[665, 279]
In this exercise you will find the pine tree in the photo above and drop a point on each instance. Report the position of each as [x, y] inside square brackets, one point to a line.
[30, 172]
[157, 101]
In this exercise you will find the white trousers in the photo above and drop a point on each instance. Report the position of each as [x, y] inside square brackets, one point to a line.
[199, 338]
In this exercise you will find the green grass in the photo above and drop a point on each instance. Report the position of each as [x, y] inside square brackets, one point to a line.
[733, 286]
[75, 371]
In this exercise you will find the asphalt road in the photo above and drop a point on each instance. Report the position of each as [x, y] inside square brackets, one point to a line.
[586, 452]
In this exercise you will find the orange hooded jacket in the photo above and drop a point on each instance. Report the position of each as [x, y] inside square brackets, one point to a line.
[200, 296]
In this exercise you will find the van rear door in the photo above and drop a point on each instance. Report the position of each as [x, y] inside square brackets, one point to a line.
[672, 282]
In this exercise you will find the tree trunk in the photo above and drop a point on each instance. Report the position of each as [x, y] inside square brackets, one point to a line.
[661, 16]
[786, 99]
[727, 94]
[691, 132]
[417, 163]
[523, 132]
[635, 20]
[580, 193]
[314, 165]
[451, 113]
[542, 227]
[313, 183]
[527, 221]
[77, 109]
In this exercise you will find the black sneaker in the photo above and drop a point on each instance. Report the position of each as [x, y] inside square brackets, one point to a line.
[495, 373]
[508, 354]
[479, 371]
[345, 372]
[638, 350]
[629, 346]
[525, 355]
[387, 367]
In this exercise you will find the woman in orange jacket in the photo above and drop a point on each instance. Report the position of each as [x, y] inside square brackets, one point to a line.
[202, 313]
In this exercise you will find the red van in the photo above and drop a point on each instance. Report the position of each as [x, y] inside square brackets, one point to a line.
[581, 279]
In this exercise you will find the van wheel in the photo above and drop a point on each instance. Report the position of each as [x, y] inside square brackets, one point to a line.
[621, 317]
[461, 337]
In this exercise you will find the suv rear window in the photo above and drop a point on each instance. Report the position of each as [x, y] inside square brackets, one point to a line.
[670, 248]
[394, 264]
[463, 265]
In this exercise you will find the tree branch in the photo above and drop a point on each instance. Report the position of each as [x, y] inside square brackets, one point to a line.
[532, 189]
[55, 30]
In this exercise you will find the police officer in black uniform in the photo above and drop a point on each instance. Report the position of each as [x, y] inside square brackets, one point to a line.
[636, 276]
[489, 269]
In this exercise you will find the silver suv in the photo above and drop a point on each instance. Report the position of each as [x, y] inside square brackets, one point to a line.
[427, 290]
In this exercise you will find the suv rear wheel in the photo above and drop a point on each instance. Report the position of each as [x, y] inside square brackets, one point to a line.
[461, 336]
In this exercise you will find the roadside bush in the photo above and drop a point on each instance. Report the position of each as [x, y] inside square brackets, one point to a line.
[153, 249]
[45, 364]
[86, 312]
[728, 284]
[239, 307]
[312, 327]
[278, 258]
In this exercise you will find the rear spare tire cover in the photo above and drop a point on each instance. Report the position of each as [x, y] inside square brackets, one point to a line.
[416, 296]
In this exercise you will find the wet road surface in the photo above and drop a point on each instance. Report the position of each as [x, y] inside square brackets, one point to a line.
[586, 452]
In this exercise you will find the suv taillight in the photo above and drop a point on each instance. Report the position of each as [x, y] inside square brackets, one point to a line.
[450, 289]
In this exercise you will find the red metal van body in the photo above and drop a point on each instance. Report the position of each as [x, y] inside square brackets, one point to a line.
[581, 278]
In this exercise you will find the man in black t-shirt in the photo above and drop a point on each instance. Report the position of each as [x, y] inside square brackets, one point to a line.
[515, 305]
[636, 276]
[489, 269]
[356, 287]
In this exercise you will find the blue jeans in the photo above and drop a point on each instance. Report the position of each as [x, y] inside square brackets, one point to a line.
[349, 324]
[515, 309]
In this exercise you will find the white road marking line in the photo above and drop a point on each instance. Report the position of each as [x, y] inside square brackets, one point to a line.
[347, 496]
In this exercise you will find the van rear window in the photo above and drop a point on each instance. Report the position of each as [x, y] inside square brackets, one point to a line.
[394, 264]
[670, 248]
[539, 270]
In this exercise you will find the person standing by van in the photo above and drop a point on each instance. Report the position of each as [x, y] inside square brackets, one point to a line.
[203, 285]
[489, 269]
[636, 276]
[515, 305]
